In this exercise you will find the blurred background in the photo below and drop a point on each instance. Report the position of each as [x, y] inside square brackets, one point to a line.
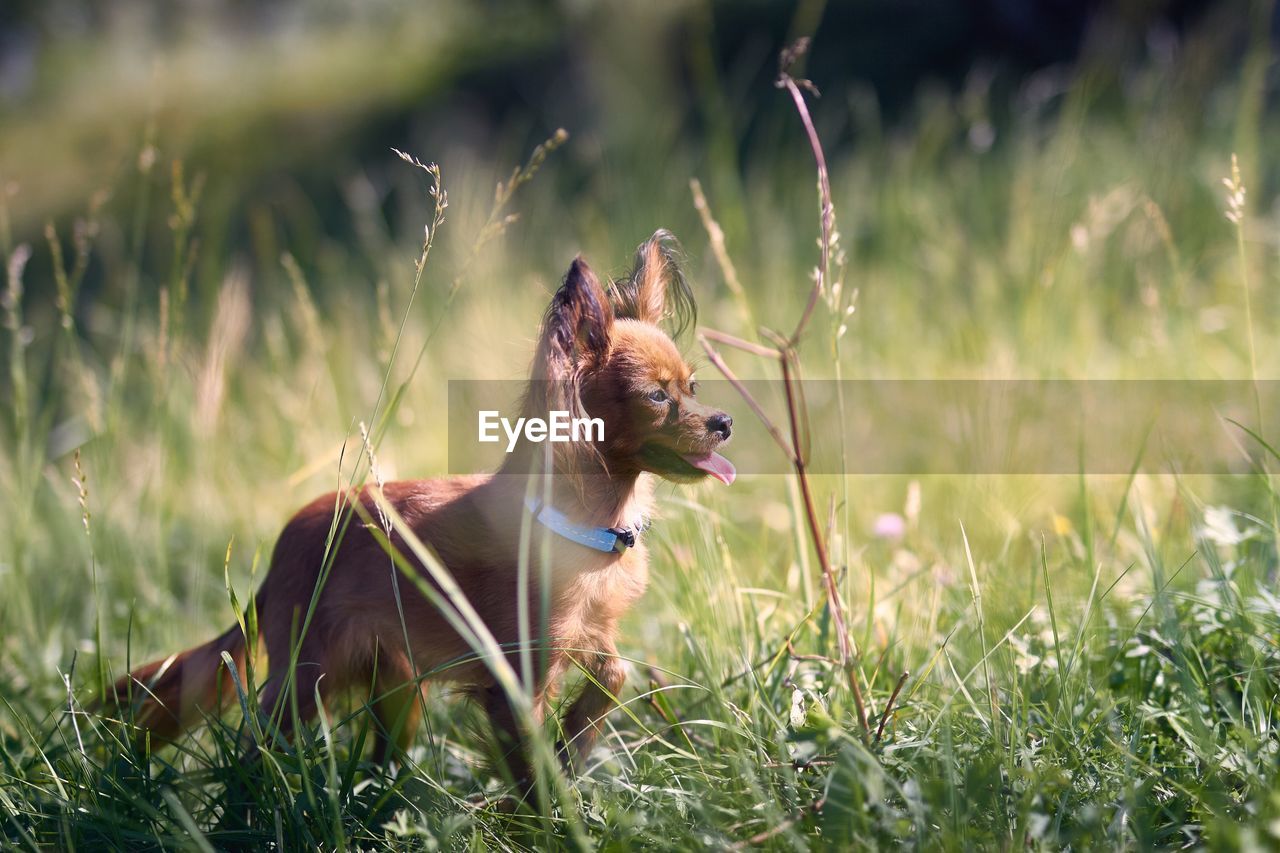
[210, 251]
[220, 241]
[291, 107]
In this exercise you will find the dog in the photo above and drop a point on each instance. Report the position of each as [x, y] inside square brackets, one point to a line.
[337, 605]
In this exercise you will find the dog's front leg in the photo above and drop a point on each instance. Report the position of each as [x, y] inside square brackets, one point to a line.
[510, 740]
[583, 722]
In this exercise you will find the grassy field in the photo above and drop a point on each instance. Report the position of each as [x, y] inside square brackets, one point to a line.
[1087, 661]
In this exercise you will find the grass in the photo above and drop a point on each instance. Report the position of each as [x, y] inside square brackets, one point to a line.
[1085, 661]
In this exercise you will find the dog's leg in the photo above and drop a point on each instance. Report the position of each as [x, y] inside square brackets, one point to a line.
[509, 738]
[606, 673]
[314, 669]
[397, 709]
[279, 702]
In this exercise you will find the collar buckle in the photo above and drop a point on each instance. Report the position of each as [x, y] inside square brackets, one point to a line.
[626, 538]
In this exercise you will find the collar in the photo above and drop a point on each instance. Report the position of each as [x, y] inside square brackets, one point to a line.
[605, 539]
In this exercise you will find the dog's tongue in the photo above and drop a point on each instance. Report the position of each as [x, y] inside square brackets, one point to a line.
[714, 464]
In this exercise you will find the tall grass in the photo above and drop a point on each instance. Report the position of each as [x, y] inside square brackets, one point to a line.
[1091, 661]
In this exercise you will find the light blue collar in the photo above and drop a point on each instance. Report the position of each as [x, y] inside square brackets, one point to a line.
[607, 540]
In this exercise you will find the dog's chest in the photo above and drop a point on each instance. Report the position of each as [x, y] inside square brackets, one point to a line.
[594, 594]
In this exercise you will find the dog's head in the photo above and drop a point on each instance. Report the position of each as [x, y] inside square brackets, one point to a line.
[603, 354]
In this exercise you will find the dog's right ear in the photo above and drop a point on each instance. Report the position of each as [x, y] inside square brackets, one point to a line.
[575, 332]
[656, 289]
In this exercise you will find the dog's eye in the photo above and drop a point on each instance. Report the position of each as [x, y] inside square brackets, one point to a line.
[693, 389]
[659, 396]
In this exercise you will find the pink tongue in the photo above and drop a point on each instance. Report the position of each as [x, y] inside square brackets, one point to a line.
[714, 464]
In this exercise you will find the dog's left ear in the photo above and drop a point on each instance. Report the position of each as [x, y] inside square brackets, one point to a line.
[656, 288]
[575, 332]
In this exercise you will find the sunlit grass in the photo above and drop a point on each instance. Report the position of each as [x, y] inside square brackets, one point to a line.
[1089, 660]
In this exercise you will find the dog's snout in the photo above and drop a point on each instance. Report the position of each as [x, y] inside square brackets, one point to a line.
[720, 423]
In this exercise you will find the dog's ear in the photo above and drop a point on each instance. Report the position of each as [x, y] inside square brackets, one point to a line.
[656, 287]
[574, 340]
[575, 332]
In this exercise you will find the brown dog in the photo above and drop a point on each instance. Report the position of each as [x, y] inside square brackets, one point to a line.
[599, 353]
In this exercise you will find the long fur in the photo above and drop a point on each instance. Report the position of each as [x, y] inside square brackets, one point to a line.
[656, 290]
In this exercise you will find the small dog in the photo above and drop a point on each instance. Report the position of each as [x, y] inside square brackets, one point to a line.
[601, 353]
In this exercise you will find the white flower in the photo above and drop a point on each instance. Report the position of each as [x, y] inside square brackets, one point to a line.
[1221, 528]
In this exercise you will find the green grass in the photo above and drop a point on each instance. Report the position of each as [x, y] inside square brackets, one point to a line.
[1090, 661]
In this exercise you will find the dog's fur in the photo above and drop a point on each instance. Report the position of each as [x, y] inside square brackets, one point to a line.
[600, 353]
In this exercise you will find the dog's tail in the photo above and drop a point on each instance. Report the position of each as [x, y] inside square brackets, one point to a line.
[170, 695]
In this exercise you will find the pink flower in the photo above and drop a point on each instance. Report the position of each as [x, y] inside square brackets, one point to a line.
[889, 525]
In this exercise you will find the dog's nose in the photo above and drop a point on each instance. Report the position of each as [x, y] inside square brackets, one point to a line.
[720, 423]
